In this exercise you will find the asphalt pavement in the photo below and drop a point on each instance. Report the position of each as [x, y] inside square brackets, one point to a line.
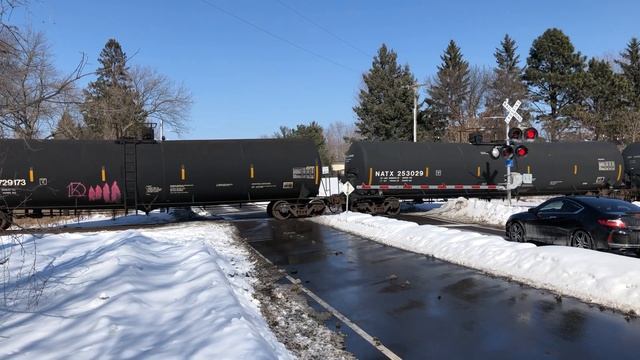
[423, 308]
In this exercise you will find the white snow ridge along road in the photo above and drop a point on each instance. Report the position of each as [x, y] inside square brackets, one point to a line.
[603, 278]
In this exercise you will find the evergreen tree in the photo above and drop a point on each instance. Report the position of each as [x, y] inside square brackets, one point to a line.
[507, 82]
[553, 75]
[385, 108]
[448, 93]
[630, 65]
[629, 119]
[112, 107]
[67, 128]
[312, 131]
[604, 92]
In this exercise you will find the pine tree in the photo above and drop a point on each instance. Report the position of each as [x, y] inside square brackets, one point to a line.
[448, 93]
[629, 119]
[553, 75]
[385, 108]
[67, 128]
[312, 131]
[112, 108]
[604, 92]
[507, 82]
[631, 68]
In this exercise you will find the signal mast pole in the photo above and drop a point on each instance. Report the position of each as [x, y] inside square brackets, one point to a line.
[512, 112]
[508, 164]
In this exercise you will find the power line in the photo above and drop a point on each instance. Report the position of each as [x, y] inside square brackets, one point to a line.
[278, 37]
[349, 44]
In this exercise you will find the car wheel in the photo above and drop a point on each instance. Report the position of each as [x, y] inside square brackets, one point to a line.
[516, 232]
[582, 239]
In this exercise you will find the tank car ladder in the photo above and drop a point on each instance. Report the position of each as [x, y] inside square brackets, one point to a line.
[130, 175]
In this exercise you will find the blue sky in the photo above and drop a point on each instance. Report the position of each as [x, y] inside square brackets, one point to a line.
[246, 83]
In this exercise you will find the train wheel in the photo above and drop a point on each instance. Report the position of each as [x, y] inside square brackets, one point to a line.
[281, 210]
[392, 206]
[336, 203]
[5, 220]
[316, 207]
[270, 209]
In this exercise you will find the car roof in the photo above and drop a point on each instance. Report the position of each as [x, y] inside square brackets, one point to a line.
[584, 199]
[597, 201]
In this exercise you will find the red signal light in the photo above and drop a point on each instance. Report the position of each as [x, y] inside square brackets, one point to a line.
[530, 134]
[515, 134]
[522, 150]
[507, 152]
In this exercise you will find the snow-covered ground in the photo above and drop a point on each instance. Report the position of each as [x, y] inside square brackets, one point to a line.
[603, 278]
[491, 212]
[180, 291]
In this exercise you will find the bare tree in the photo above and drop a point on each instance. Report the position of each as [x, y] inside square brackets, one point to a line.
[31, 90]
[479, 81]
[339, 136]
[163, 101]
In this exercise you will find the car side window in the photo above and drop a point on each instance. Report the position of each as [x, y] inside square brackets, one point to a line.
[553, 206]
[570, 207]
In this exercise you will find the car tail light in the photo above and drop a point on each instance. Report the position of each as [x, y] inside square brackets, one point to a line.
[613, 223]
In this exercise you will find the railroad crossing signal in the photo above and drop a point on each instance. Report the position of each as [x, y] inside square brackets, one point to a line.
[512, 111]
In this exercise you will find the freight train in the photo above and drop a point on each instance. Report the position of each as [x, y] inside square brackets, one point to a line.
[384, 172]
[49, 177]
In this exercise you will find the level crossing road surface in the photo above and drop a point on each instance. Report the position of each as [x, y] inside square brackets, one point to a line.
[423, 308]
[429, 220]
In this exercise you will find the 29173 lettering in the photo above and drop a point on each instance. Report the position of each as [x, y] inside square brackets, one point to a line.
[13, 182]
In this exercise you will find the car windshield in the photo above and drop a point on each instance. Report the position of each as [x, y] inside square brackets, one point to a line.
[611, 205]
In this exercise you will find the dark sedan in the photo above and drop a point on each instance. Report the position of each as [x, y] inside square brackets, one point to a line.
[582, 221]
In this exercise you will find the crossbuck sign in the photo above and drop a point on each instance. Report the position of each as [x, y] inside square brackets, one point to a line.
[513, 111]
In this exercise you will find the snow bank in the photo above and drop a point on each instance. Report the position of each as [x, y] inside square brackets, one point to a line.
[183, 291]
[602, 278]
[494, 212]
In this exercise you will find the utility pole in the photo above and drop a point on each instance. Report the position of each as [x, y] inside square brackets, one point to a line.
[416, 88]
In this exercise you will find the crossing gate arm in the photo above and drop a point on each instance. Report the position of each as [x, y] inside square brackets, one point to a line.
[430, 187]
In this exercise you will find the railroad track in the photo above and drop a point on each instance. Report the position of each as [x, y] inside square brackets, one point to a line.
[225, 214]
[84, 229]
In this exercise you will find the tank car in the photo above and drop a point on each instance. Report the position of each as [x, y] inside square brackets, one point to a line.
[55, 175]
[631, 156]
[384, 172]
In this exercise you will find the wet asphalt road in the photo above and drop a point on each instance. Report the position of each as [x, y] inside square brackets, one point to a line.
[423, 308]
[422, 220]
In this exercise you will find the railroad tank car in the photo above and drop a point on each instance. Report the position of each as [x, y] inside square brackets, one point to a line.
[40, 175]
[394, 170]
[631, 156]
